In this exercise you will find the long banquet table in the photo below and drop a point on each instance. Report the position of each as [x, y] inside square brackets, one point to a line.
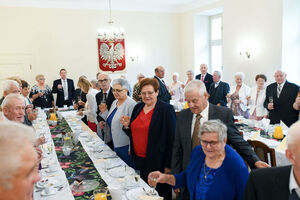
[68, 168]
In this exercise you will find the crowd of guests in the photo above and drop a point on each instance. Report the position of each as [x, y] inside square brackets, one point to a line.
[199, 152]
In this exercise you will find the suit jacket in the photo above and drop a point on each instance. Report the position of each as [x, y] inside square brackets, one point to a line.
[60, 93]
[208, 80]
[268, 184]
[230, 179]
[163, 94]
[218, 95]
[110, 98]
[283, 106]
[161, 135]
[183, 142]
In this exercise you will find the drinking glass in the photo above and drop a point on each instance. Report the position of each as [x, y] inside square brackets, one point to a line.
[100, 194]
[271, 99]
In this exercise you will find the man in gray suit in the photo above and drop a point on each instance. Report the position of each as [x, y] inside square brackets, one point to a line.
[189, 121]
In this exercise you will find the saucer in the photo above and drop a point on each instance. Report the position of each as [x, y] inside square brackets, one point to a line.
[52, 191]
[51, 171]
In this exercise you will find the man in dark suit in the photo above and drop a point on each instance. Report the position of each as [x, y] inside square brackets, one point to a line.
[200, 111]
[104, 98]
[205, 77]
[163, 94]
[64, 88]
[278, 183]
[218, 90]
[280, 97]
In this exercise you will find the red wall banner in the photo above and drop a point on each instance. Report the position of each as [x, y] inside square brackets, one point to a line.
[111, 55]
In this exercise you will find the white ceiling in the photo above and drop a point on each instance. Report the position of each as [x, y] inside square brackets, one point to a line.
[128, 5]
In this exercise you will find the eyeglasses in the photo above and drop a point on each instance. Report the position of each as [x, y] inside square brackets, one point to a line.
[117, 90]
[145, 93]
[210, 143]
[103, 81]
[41, 79]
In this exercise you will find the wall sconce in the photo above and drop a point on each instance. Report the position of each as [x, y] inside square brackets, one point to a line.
[247, 54]
[134, 59]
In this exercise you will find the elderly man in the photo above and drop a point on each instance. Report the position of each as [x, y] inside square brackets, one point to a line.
[64, 88]
[163, 94]
[9, 86]
[18, 166]
[205, 77]
[13, 107]
[280, 97]
[188, 125]
[218, 90]
[278, 182]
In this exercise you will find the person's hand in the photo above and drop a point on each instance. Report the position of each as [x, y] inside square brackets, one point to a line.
[236, 101]
[125, 120]
[102, 124]
[248, 98]
[270, 106]
[75, 105]
[266, 116]
[81, 103]
[218, 104]
[261, 164]
[80, 113]
[177, 191]
[59, 86]
[167, 171]
[171, 93]
[40, 141]
[182, 85]
[32, 114]
[102, 107]
[158, 177]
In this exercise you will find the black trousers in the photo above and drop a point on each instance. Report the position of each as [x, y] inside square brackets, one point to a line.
[164, 190]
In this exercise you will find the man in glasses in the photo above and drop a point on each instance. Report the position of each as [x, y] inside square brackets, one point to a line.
[188, 125]
[104, 99]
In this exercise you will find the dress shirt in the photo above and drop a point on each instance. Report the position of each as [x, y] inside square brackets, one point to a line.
[91, 105]
[203, 119]
[217, 84]
[293, 184]
[203, 77]
[282, 84]
[64, 83]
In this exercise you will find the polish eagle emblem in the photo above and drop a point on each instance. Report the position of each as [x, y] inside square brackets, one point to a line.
[112, 54]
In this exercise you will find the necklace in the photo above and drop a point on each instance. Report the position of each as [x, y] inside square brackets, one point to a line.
[206, 174]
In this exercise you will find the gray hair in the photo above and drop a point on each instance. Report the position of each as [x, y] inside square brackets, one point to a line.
[120, 81]
[214, 126]
[140, 75]
[240, 74]
[293, 134]
[217, 72]
[190, 71]
[176, 74]
[7, 85]
[12, 138]
[9, 98]
[195, 85]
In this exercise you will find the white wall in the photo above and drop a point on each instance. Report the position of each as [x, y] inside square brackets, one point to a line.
[291, 40]
[55, 38]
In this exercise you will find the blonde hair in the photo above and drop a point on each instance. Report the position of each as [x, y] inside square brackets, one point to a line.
[39, 76]
[84, 84]
[12, 138]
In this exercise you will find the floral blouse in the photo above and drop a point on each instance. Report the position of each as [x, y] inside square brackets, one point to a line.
[44, 101]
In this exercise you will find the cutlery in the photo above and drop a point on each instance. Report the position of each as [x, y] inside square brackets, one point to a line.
[113, 167]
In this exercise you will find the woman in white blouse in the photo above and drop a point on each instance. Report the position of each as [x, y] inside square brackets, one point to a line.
[176, 89]
[190, 76]
[90, 108]
[238, 96]
[257, 98]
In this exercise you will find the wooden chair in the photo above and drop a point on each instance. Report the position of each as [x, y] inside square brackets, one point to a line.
[262, 151]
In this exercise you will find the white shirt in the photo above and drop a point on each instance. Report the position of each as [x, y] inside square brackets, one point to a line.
[65, 89]
[203, 76]
[178, 91]
[91, 106]
[293, 184]
[203, 119]
[282, 84]
[217, 83]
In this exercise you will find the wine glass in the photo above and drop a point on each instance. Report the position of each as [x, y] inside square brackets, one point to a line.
[271, 99]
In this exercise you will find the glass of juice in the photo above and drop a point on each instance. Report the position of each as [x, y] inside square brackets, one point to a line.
[100, 194]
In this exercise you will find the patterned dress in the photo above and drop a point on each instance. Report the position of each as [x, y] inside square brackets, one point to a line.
[44, 101]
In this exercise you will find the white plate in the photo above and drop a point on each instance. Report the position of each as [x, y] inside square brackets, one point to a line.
[120, 172]
[104, 154]
[51, 192]
[51, 171]
[52, 182]
[84, 134]
[135, 193]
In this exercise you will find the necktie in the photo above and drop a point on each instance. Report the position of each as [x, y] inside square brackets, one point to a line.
[278, 90]
[195, 137]
[293, 195]
[163, 82]
[65, 89]
[105, 97]
[202, 76]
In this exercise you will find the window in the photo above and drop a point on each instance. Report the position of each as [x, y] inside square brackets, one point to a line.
[215, 42]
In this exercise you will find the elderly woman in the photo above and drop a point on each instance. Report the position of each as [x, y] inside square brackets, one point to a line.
[257, 98]
[90, 107]
[190, 76]
[176, 89]
[41, 93]
[216, 171]
[151, 131]
[121, 108]
[238, 96]
[136, 88]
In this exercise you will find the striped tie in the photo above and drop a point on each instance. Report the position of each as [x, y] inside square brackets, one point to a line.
[278, 90]
[195, 136]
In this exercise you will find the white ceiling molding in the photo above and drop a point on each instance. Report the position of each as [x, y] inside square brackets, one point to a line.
[176, 6]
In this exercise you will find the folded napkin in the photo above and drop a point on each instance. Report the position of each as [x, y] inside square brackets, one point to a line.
[282, 145]
[145, 197]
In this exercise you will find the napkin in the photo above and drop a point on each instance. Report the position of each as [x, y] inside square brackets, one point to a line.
[266, 123]
[284, 127]
[146, 197]
[282, 145]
